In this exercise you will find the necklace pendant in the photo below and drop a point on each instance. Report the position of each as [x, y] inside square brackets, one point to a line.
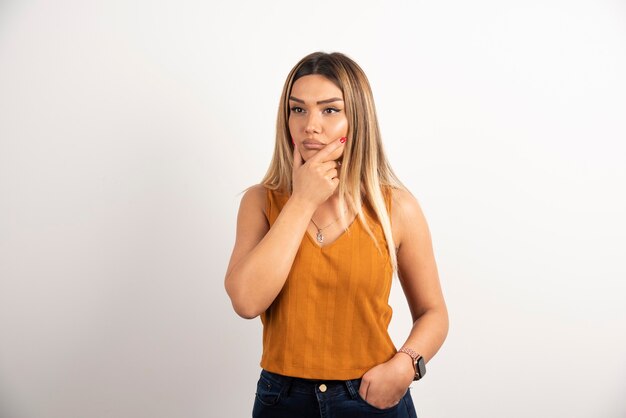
[320, 237]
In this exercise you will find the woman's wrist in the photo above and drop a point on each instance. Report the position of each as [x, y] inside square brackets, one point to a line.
[405, 365]
[304, 205]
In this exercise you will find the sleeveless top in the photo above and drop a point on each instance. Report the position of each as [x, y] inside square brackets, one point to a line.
[330, 319]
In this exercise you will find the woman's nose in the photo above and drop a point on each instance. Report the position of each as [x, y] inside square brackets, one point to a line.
[312, 124]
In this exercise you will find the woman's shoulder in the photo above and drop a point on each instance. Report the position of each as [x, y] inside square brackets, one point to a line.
[255, 192]
[254, 197]
[263, 189]
[405, 206]
[258, 195]
[400, 196]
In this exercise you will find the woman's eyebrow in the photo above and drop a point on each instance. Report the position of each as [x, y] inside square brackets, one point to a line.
[332, 99]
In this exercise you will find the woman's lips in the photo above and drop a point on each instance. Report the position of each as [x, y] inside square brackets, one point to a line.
[313, 145]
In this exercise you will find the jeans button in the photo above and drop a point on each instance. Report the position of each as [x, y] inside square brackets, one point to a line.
[323, 388]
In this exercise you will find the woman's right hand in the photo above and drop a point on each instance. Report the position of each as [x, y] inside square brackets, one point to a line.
[315, 181]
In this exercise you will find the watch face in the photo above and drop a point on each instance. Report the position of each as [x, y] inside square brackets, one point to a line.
[421, 367]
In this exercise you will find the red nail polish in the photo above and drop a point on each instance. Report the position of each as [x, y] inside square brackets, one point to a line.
[343, 139]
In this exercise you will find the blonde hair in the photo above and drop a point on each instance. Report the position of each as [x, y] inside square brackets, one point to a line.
[364, 170]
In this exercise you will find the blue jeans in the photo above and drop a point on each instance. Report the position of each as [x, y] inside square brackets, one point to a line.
[279, 396]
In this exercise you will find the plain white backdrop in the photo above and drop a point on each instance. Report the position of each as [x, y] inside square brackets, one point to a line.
[128, 130]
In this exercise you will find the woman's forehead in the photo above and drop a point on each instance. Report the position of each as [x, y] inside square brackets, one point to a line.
[315, 87]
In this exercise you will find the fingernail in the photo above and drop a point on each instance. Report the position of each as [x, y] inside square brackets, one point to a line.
[343, 139]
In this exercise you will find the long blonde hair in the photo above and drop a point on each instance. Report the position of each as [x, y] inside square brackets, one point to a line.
[364, 170]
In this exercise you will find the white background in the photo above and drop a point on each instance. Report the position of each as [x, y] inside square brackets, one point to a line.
[128, 129]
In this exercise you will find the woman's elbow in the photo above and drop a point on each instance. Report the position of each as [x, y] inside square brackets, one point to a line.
[241, 307]
[444, 321]
[245, 311]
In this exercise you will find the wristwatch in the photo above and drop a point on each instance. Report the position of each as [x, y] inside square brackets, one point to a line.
[418, 362]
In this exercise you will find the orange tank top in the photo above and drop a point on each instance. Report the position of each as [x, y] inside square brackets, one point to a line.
[330, 319]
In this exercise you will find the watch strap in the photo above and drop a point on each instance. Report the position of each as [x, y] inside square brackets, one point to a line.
[415, 357]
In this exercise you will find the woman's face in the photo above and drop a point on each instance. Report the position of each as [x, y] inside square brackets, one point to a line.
[317, 115]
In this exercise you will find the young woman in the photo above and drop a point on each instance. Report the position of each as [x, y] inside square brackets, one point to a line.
[317, 244]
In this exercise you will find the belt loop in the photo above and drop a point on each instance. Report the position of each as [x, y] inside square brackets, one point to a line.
[352, 388]
[287, 387]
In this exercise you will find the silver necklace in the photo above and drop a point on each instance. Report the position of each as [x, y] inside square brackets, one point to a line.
[320, 236]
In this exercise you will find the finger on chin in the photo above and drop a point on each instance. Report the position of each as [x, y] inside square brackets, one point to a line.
[324, 153]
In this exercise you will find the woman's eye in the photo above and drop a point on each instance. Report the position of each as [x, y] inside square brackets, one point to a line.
[331, 110]
[297, 109]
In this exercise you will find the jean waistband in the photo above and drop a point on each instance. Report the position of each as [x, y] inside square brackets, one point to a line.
[312, 386]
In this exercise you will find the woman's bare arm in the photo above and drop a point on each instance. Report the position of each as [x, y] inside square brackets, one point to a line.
[262, 256]
[417, 271]
[383, 385]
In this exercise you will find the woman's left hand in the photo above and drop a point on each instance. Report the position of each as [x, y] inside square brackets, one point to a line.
[384, 385]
